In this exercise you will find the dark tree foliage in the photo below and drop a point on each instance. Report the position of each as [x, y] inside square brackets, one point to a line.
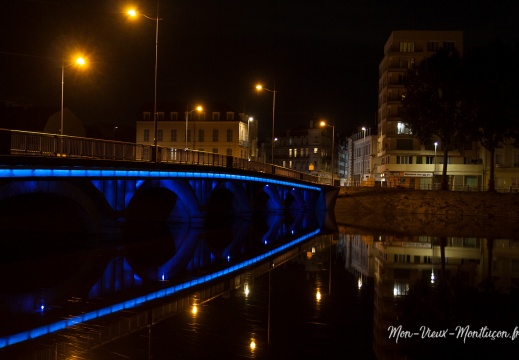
[491, 97]
[432, 103]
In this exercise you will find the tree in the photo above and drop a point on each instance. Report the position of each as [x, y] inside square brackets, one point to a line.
[432, 102]
[491, 98]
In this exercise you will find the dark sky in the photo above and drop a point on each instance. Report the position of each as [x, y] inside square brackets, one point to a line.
[321, 56]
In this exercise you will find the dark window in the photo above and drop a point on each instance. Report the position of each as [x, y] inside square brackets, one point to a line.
[404, 144]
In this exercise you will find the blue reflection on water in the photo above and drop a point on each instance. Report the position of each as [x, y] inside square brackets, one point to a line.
[132, 303]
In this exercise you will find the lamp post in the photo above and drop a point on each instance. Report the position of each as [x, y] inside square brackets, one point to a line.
[134, 13]
[363, 151]
[80, 61]
[259, 88]
[248, 135]
[323, 123]
[198, 108]
[435, 147]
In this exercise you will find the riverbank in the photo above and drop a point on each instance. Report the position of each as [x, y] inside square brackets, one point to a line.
[433, 213]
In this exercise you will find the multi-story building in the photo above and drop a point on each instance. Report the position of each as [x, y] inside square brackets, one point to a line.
[308, 150]
[343, 157]
[364, 161]
[216, 128]
[403, 159]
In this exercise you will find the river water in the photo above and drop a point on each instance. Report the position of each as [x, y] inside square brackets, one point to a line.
[283, 289]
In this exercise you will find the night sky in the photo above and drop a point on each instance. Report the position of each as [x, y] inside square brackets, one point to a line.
[321, 56]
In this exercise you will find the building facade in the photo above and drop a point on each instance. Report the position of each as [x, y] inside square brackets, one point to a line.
[402, 160]
[217, 128]
[307, 150]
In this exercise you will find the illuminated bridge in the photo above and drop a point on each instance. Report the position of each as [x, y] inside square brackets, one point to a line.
[99, 183]
[106, 188]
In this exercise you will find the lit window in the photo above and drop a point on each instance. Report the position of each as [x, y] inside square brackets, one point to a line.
[407, 46]
[316, 150]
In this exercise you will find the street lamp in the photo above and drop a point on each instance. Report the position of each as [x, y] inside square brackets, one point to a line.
[323, 123]
[198, 108]
[435, 147]
[248, 135]
[79, 61]
[133, 13]
[363, 151]
[259, 88]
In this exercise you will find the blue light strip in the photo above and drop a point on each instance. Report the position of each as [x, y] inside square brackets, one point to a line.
[112, 173]
[130, 304]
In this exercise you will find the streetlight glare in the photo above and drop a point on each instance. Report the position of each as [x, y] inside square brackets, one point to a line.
[132, 12]
[199, 108]
[322, 123]
[259, 87]
[80, 61]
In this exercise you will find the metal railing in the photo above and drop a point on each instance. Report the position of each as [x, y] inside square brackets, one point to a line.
[435, 186]
[16, 142]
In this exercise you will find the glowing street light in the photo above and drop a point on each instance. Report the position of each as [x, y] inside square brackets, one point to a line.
[251, 119]
[435, 147]
[323, 124]
[199, 109]
[80, 62]
[364, 151]
[133, 13]
[260, 88]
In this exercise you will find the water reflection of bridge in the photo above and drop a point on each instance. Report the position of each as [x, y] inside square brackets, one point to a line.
[202, 278]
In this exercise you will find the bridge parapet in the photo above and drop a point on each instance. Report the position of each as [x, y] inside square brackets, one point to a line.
[113, 191]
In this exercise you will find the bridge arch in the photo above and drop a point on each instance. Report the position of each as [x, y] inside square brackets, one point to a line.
[64, 205]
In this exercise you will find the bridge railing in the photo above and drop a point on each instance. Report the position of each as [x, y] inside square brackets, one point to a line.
[16, 142]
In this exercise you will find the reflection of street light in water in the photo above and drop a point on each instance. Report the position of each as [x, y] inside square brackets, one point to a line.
[318, 295]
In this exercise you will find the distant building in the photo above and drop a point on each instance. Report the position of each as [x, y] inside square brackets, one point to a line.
[343, 157]
[307, 150]
[218, 128]
[363, 158]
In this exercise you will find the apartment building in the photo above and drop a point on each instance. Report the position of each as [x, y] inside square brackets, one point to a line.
[216, 128]
[308, 150]
[403, 160]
